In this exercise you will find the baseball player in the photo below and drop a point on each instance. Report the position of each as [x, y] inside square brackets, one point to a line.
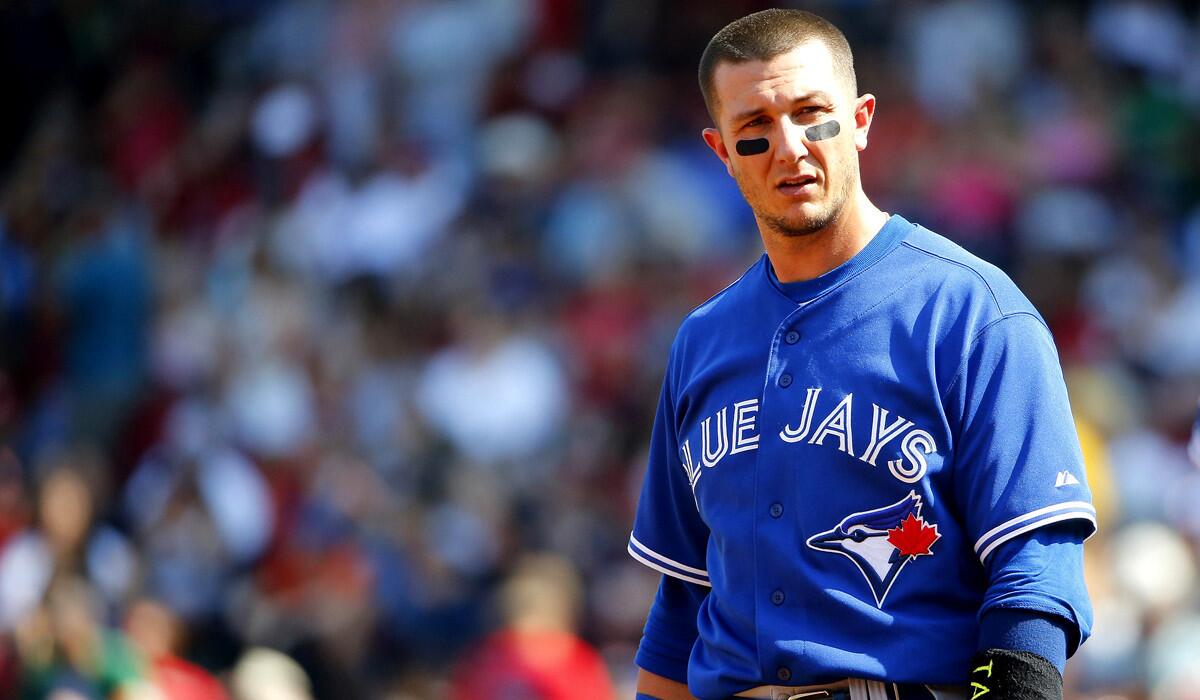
[864, 479]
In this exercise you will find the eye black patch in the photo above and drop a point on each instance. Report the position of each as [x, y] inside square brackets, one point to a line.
[752, 147]
[823, 131]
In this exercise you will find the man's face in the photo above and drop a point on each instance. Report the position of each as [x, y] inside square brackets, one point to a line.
[798, 185]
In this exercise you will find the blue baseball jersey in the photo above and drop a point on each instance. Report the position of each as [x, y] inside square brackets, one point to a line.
[838, 458]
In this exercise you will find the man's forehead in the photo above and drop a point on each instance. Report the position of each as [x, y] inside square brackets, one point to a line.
[805, 70]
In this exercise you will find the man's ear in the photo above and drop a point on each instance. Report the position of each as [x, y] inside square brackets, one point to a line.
[864, 111]
[712, 137]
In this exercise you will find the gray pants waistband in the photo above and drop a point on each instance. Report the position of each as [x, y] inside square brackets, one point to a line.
[855, 689]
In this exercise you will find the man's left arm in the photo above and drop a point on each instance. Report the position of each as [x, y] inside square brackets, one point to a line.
[1022, 486]
[1035, 614]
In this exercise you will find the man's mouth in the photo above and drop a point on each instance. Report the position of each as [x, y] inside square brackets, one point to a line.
[797, 185]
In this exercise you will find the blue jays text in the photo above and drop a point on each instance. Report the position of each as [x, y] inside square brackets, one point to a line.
[720, 436]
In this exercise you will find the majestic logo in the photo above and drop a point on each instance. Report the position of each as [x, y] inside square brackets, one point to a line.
[881, 542]
[1065, 478]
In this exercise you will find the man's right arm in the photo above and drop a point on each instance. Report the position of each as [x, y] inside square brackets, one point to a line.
[651, 686]
[668, 638]
[670, 537]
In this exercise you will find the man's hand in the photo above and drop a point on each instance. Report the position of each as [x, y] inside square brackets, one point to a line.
[1001, 674]
[656, 687]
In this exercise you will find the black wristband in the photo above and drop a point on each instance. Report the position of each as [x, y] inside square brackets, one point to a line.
[1002, 674]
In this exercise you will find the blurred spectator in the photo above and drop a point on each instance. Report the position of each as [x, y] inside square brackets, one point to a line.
[201, 509]
[65, 648]
[157, 634]
[495, 396]
[65, 542]
[265, 674]
[105, 290]
[961, 51]
[1145, 33]
[536, 655]
[1194, 443]
[377, 223]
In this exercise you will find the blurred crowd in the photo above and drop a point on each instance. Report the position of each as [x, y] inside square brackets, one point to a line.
[331, 332]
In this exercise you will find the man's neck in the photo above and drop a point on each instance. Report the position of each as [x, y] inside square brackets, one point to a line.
[799, 258]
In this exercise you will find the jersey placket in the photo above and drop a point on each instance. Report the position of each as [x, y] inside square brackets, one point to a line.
[778, 536]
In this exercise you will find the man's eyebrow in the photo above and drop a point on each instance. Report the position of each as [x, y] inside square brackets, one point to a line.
[814, 96]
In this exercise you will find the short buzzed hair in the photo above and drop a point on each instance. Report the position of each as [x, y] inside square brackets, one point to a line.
[764, 35]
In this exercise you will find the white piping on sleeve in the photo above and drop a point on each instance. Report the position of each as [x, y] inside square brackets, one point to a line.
[1081, 514]
[1079, 505]
[664, 569]
[665, 560]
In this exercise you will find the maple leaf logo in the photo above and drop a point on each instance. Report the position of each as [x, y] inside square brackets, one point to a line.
[881, 541]
[913, 537]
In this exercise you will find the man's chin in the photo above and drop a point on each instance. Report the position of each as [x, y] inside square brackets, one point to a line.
[802, 225]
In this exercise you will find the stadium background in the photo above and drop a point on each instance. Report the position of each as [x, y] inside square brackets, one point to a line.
[336, 328]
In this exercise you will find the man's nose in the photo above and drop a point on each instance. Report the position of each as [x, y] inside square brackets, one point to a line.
[792, 144]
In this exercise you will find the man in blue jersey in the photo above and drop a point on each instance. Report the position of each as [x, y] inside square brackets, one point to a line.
[864, 479]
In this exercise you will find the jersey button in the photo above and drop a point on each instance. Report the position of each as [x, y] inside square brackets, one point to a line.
[783, 674]
[791, 338]
[777, 597]
[776, 510]
[785, 380]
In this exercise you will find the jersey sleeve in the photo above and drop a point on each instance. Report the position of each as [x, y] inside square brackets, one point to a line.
[1018, 462]
[671, 629]
[668, 533]
[1041, 572]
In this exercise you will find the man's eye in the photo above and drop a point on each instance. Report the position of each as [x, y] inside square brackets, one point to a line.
[757, 122]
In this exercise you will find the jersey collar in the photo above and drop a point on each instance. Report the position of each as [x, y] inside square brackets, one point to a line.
[889, 236]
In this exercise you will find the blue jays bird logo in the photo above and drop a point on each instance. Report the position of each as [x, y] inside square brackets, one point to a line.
[881, 542]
